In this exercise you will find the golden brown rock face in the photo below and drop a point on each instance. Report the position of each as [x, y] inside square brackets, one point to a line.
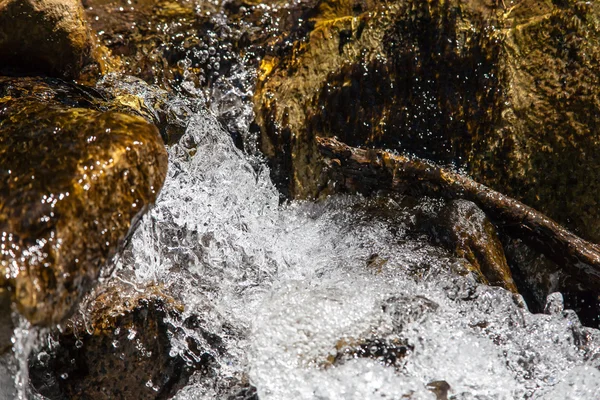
[73, 181]
[508, 90]
[397, 74]
[45, 36]
[545, 145]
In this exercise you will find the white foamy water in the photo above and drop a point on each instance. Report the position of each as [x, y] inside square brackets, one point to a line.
[293, 289]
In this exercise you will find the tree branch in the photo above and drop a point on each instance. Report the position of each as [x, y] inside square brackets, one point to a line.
[366, 171]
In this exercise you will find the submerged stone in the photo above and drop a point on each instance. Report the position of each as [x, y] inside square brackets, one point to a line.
[73, 181]
[387, 352]
[45, 36]
[465, 228]
[121, 349]
[507, 91]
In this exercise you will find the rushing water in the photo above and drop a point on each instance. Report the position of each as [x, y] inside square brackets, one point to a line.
[292, 289]
[295, 289]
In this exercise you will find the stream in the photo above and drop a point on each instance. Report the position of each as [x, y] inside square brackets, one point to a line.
[293, 289]
[289, 288]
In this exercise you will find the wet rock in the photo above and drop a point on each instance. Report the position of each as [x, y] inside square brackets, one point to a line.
[121, 349]
[169, 112]
[554, 304]
[242, 391]
[6, 324]
[149, 39]
[171, 42]
[466, 230]
[73, 181]
[384, 74]
[505, 90]
[404, 310]
[440, 389]
[547, 286]
[200, 50]
[203, 50]
[387, 352]
[45, 36]
[536, 275]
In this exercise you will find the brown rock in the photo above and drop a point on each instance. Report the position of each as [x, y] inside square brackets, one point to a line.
[509, 92]
[45, 36]
[390, 352]
[440, 389]
[73, 181]
[168, 42]
[466, 229]
[120, 350]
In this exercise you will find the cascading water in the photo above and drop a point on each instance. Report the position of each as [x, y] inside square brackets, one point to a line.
[323, 300]
[293, 288]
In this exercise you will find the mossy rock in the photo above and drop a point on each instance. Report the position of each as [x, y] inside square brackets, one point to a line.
[121, 349]
[73, 182]
[510, 94]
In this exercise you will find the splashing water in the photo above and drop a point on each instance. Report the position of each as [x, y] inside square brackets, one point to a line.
[293, 289]
[325, 300]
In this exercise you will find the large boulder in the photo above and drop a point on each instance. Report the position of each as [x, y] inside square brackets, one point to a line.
[73, 181]
[509, 92]
[45, 36]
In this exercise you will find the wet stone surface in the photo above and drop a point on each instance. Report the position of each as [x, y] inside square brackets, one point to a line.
[46, 36]
[195, 42]
[73, 181]
[122, 349]
[506, 91]
[465, 229]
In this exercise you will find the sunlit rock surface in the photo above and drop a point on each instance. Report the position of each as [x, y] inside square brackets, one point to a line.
[45, 36]
[120, 348]
[507, 90]
[73, 181]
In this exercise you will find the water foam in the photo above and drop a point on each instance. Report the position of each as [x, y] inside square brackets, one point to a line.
[289, 286]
